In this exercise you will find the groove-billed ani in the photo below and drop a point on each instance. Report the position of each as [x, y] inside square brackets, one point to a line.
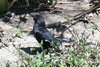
[42, 34]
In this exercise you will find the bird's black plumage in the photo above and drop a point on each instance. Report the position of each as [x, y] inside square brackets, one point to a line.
[41, 33]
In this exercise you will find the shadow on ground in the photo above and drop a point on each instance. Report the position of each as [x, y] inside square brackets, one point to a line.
[33, 51]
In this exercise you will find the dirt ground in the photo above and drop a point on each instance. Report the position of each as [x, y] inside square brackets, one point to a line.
[64, 10]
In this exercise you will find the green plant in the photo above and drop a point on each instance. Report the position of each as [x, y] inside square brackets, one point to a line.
[53, 2]
[24, 58]
[78, 55]
[18, 32]
[38, 61]
[95, 27]
[6, 5]
[3, 6]
[0, 65]
[70, 22]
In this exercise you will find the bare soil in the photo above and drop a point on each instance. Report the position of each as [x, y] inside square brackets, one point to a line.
[23, 18]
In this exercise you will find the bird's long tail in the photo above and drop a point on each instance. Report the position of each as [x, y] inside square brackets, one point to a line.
[60, 41]
[66, 41]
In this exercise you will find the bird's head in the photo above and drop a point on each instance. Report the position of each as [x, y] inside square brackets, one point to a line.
[39, 20]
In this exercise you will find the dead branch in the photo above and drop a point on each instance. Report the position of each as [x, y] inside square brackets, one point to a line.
[86, 12]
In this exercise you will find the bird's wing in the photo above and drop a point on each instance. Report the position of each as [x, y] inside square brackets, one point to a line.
[45, 35]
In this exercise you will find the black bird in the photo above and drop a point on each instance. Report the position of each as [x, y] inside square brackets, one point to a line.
[42, 34]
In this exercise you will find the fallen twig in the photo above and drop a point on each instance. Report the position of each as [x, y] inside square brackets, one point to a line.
[86, 12]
